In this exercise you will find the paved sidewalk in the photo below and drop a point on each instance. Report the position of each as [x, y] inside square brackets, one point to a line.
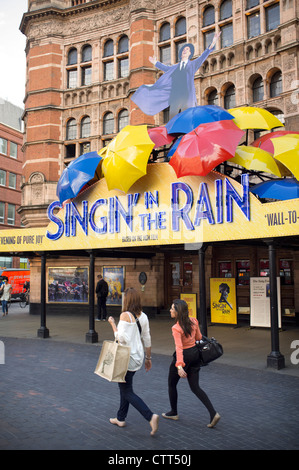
[51, 399]
[243, 346]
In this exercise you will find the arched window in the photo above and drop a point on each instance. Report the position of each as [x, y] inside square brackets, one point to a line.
[230, 97]
[226, 10]
[108, 48]
[123, 119]
[276, 85]
[72, 56]
[108, 123]
[86, 53]
[165, 32]
[209, 16]
[258, 89]
[85, 127]
[180, 27]
[71, 129]
[123, 45]
[213, 97]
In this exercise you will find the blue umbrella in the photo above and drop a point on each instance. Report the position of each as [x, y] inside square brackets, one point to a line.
[174, 146]
[281, 189]
[189, 119]
[78, 173]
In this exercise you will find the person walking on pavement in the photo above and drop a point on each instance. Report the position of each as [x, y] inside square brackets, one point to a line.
[5, 292]
[132, 329]
[102, 292]
[186, 360]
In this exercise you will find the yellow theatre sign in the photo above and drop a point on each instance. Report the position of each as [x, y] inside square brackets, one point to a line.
[159, 209]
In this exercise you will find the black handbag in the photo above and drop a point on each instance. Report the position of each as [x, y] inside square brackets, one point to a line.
[209, 349]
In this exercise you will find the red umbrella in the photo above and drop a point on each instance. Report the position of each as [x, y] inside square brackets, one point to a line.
[265, 142]
[160, 136]
[205, 147]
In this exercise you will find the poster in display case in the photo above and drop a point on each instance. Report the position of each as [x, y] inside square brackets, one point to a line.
[115, 278]
[68, 284]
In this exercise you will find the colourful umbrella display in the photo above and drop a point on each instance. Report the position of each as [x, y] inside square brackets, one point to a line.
[189, 119]
[265, 142]
[286, 150]
[79, 172]
[126, 156]
[160, 136]
[256, 159]
[281, 189]
[174, 146]
[249, 117]
[205, 147]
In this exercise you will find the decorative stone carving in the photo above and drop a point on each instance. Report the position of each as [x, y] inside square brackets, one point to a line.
[36, 177]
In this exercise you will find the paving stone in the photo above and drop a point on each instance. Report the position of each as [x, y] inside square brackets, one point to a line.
[51, 399]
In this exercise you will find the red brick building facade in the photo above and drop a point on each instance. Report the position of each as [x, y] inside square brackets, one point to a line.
[11, 162]
[85, 59]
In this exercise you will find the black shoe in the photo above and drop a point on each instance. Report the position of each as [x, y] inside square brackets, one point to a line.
[171, 415]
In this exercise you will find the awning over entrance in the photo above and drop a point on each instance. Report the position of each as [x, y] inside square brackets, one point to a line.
[159, 210]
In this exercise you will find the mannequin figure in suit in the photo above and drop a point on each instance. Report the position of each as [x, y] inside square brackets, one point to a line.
[175, 88]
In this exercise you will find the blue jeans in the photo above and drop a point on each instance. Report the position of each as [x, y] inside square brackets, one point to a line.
[4, 306]
[127, 397]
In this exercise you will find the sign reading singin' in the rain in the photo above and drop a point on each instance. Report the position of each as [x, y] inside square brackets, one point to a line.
[159, 209]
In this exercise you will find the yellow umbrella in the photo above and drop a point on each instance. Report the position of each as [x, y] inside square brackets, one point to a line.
[125, 157]
[286, 151]
[253, 158]
[248, 117]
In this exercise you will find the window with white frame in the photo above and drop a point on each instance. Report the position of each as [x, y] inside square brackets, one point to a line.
[2, 212]
[13, 150]
[12, 180]
[3, 146]
[2, 177]
[11, 214]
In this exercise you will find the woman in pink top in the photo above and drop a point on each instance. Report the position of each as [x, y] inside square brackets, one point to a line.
[186, 360]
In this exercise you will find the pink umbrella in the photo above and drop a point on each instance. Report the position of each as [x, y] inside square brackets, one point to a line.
[265, 142]
[160, 136]
[205, 147]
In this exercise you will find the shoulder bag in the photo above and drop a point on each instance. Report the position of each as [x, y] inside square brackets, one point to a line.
[209, 350]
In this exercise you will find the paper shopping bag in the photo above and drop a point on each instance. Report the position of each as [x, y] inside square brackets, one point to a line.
[113, 361]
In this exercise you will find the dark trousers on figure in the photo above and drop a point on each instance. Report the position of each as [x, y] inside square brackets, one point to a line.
[102, 308]
[129, 397]
[192, 367]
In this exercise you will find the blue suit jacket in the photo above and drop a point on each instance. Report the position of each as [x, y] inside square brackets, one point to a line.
[152, 99]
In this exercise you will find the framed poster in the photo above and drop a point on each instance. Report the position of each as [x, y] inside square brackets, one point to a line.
[260, 314]
[223, 300]
[115, 278]
[68, 284]
[190, 299]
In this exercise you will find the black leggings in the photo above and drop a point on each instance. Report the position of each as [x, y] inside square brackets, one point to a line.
[191, 359]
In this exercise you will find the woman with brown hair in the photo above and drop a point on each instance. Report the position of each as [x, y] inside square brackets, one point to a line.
[186, 360]
[133, 327]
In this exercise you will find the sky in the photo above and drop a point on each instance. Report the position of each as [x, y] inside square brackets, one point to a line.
[12, 51]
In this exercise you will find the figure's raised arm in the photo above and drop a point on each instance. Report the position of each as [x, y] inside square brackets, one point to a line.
[215, 38]
[152, 60]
